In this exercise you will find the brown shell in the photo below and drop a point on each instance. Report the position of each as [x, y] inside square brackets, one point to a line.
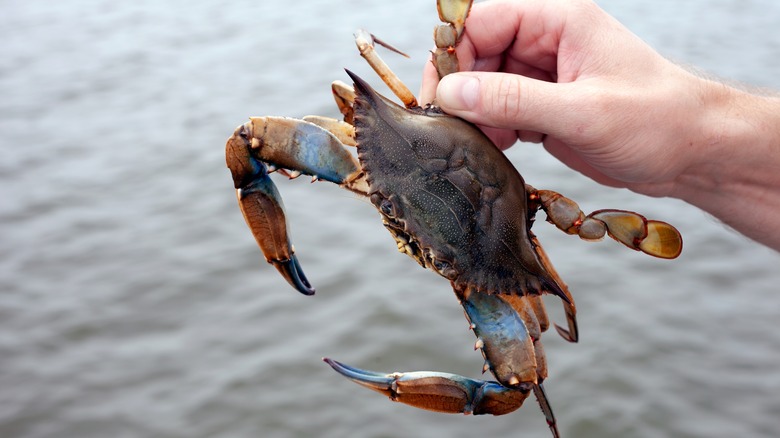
[443, 186]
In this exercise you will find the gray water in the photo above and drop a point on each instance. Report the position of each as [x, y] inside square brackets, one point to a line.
[134, 302]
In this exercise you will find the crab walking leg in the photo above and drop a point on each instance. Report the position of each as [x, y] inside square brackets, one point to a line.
[344, 95]
[544, 404]
[537, 304]
[454, 12]
[440, 392]
[447, 36]
[656, 238]
[365, 44]
[290, 144]
[569, 308]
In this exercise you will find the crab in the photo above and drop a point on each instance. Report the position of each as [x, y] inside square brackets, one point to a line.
[454, 203]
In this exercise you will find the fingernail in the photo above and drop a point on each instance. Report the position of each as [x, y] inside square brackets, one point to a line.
[458, 92]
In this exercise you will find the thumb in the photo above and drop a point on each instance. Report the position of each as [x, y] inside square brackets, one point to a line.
[506, 101]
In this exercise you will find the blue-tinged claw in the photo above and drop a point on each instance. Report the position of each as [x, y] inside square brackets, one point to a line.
[263, 210]
[300, 146]
[292, 272]
[370, 379]
[289, 145]
[440, 392]
[503, 337]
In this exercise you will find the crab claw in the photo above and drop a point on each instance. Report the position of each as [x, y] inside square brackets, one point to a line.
[263, 210]
[440, 392]
[291, 271]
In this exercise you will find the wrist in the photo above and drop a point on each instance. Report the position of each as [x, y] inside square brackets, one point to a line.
[734, 170]
[737, 141]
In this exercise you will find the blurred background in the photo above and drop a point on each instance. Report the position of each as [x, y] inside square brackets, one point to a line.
[135, 303]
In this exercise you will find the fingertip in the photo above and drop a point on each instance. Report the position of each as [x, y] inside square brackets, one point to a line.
[458, 92]
[430, 80]
[530, 136]
[502, 138]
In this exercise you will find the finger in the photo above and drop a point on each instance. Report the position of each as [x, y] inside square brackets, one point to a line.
[430, 78]
[492, 63]
[530, 136]
[503, 138]
[509, 101]
[526, 31]
[430, 81]
[564, 154]
[512, 65]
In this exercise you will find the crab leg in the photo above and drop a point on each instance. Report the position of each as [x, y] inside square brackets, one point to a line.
[656, 238]
[541, 397]
[454, 13]
[508, 333]
[365, 44]
[512, 354]
[447, 36]
[263, 211]
[344, 132]
[570, 310]
[266, 143]
[299, 146]
[440, 392]
[503, 336]
[344, 95]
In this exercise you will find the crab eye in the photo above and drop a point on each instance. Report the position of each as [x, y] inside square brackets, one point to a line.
[441, 265]
[445, 269]
[386, 207]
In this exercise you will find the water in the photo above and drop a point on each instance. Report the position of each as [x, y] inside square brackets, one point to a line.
[135, 304]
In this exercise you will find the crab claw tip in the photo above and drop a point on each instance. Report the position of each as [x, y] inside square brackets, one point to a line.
[370, 379]
[292, 272]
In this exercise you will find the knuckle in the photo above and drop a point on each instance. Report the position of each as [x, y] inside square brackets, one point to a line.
[503, 101]
[506, 100]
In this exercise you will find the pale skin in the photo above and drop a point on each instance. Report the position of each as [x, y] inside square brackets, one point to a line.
[565, 73]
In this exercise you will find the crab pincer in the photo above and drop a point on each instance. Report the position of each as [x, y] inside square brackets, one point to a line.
[296, 145]
[508, 340]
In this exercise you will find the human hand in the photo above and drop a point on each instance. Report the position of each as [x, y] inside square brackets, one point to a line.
[566, 73]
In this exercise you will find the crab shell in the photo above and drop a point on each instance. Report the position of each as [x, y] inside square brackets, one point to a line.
[447, 191]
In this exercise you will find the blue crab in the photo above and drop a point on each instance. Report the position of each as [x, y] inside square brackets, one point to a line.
[454, 203]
